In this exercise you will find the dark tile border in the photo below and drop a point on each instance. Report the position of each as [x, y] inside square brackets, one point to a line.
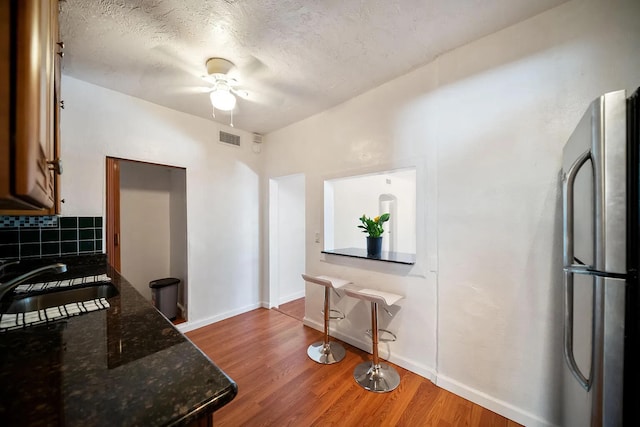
[34, 237]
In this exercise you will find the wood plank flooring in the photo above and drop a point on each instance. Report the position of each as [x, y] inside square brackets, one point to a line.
[293, 308]
[264, 351]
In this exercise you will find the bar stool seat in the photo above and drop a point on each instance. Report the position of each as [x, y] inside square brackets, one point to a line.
[374, 295]
[327, 352]
[374, 375]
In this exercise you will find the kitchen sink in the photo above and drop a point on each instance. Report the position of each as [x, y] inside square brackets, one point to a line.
[55, 298]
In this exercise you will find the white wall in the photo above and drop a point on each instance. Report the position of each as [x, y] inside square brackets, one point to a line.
[482, 314]
[223, 204]
[290, 237]
[144, 224]
[178, 233]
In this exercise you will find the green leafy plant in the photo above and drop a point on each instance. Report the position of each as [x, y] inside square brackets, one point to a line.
[373, 226]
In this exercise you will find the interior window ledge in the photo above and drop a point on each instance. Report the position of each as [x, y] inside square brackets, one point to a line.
[395, 257]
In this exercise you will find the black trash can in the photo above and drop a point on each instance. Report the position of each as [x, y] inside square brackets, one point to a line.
[164, 295]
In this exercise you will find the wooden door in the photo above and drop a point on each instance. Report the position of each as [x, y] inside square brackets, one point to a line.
[113, 212]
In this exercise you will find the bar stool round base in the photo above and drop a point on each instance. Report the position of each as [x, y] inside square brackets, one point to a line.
[380, 379]
[333, 352]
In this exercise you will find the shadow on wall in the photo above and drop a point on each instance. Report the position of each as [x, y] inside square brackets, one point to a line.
[547, 305]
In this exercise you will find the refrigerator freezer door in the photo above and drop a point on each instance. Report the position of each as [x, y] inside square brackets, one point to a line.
[601, 405]
[612, 342]
[576, 402]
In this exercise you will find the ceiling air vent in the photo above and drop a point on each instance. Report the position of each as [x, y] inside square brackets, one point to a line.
[229, 138]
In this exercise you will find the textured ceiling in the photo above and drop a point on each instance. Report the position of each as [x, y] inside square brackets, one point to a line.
[294, 58]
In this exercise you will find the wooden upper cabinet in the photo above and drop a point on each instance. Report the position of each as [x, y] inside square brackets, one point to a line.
[29, 93]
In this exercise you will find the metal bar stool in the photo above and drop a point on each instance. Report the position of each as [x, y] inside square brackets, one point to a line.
[324, 351]
[374, 375]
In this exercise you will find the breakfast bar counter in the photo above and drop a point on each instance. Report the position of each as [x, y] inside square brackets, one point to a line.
[126, 365]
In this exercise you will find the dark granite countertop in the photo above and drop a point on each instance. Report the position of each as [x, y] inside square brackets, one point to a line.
[123, 366]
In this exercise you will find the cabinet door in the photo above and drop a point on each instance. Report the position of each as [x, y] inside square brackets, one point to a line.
[34, 103]
[28, 123]
[57, 103]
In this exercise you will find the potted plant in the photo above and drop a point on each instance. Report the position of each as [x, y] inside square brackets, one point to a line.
[373, 227]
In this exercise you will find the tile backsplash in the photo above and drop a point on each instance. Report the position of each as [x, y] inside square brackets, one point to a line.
[37, 236]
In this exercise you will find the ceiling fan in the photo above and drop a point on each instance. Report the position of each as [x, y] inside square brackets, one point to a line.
[224, 87]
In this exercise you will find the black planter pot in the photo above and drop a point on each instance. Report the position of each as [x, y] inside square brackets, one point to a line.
[374, 247]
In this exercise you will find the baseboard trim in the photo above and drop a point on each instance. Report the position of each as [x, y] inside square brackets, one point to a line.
[191, 325]
[496, 405]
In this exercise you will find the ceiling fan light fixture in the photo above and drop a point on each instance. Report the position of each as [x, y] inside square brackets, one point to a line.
[223, 99]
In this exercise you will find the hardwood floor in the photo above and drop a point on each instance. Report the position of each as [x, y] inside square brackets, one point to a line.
[264, 351]
[293, 308]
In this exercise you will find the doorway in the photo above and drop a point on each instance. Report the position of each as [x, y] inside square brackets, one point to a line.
[146, 225]
[287, 243]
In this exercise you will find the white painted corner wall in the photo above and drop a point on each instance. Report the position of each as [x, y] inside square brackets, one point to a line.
[290, 229]
[223, 187]
[486, 124]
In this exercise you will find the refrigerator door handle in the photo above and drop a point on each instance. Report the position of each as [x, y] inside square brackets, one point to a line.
[568, 260]
[590, 271]
[567, 207]
[568, 333]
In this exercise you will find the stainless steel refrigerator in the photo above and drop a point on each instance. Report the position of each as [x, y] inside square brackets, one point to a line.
[601, 225]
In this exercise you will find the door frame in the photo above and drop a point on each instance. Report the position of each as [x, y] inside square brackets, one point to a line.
[274, 236]
[113, 212]
[113, 217]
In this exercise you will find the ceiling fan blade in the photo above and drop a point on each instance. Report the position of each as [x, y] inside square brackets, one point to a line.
[259, 97]
[246, 70]
[253, 67]
[241, 93]
[177, 59]
[188, 90]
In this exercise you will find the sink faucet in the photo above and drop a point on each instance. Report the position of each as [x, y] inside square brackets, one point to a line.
[4, 264]
[11, 284]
